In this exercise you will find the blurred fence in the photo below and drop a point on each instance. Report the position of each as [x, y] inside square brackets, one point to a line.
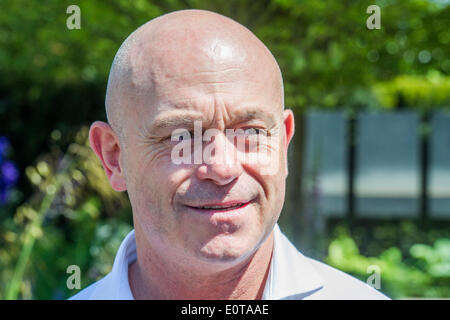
[377, 165]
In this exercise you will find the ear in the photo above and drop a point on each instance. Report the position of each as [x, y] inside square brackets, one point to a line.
[289, 127]
[105, 143]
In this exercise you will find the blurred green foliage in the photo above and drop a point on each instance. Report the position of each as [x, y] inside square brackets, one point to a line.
[426, 274]
[422, 92]
[53, 83]
[72, 218]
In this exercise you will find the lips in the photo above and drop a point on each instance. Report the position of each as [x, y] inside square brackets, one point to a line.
[219, 207]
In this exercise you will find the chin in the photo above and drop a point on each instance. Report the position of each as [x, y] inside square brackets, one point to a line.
[227, 249]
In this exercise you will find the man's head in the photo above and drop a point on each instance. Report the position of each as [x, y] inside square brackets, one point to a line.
[178, 68]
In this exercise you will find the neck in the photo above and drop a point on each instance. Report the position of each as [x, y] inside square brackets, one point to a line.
[154, 276]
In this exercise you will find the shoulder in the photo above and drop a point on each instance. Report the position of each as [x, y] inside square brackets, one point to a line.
[295, 276]
[341, 286]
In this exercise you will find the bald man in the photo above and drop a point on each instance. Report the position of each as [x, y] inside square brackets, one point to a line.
[198, 135]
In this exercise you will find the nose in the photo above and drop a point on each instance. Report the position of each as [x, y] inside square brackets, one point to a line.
[220, 161]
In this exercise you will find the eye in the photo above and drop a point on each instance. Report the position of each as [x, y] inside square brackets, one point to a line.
[180, 135]
[254, 131]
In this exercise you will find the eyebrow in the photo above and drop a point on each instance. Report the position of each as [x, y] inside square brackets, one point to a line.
[252, 114]
[175, 121]
[185, 119]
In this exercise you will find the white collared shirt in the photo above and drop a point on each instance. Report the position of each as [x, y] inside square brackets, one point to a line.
[291, 276]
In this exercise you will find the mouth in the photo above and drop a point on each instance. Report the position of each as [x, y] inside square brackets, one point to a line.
[220, 207]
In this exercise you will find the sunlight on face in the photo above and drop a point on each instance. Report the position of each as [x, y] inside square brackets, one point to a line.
[208, 204]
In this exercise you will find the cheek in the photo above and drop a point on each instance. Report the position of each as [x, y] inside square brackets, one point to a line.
[144, 178]
[145, 166]
[153, 182]
[269, 169]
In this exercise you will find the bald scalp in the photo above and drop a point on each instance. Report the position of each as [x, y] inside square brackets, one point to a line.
[176, 43]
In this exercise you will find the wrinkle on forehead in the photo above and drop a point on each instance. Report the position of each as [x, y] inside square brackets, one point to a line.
[187, 43]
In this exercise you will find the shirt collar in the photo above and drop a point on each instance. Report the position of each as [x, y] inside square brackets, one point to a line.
[291, 275]
[117, 286]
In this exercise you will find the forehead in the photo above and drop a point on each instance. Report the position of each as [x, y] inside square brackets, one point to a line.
[215, 101]
[202, 63]
[207, 77]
